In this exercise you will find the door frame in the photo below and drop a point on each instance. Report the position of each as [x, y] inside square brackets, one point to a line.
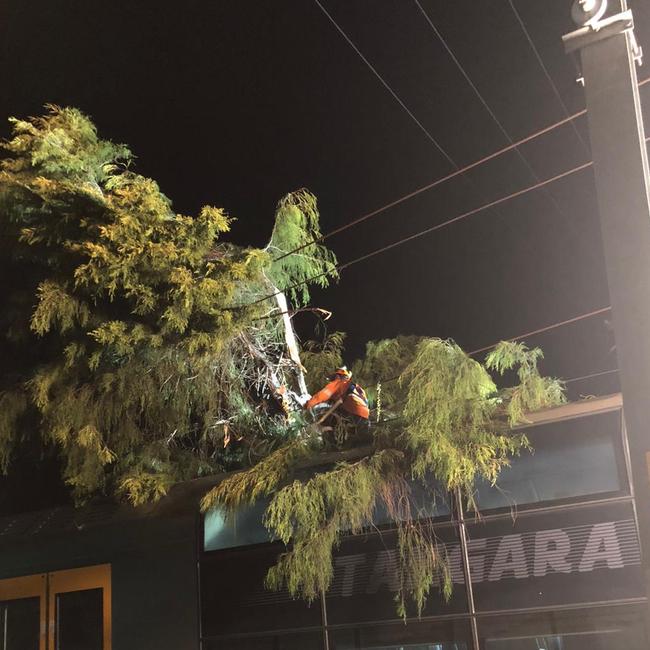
[46, 587]
[69, 580]
[29, 587]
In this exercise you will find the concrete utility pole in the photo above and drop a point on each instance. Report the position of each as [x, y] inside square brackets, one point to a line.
[609, 55]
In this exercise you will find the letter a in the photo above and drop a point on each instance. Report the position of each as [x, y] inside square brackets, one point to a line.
[602, 546]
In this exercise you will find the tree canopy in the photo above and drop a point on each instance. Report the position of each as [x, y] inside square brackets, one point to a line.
[138, 338]
[444, 421]
[146, 349]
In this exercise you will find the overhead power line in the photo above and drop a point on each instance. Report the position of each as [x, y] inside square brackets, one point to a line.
[393, 93]
[441, 180]
[547, 74]
[591, 376]
[426, 231]
[385, 84]
[435, 183]
[547, 328]
[469, 213]
[483, 101]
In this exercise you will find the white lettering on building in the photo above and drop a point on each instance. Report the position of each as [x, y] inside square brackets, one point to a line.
[551, 550]
[476, 549]
[602, 547]
[348, 565]
[509, 559]
[533, 554]
[384, 573]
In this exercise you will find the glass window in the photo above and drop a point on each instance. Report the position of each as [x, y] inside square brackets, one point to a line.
[447, 635]
[574, 458]
[20, 624]
[234, 599]
[79, 620]
[431, 501]
[579, 641]
[557, 557]
[79, 608]
[598, 628]
[297, 641]
[61, 610]
[245, 529]
[366, 579]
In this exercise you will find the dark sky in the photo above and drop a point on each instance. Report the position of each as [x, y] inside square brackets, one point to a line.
[236, 103]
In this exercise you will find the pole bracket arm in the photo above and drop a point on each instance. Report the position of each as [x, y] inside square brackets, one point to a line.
[600, 30]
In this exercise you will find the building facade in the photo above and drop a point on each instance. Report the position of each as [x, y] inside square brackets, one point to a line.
[552, 563]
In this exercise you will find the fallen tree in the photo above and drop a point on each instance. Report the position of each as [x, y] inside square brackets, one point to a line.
[141, 346]
[445, 419]
[145, 351]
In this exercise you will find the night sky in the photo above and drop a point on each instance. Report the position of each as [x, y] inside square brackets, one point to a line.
[237, 103]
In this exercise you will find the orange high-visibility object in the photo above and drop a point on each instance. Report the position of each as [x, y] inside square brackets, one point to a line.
[353, 396]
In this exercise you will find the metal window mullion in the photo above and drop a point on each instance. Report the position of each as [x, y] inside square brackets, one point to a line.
[469, 589]
[323, 613]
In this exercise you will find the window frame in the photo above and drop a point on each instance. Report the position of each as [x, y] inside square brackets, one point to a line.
[46, 586]
[81, 579]
[622, 466]
[33, 586]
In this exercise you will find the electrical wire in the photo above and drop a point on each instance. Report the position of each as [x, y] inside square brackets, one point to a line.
[469, 213]
[538, 56]
[547, 328]
[591, 376]
[420, 233]
[435, 183]
[385, 83]
[426, 231]
[458, 171]
[480, 97]
[390, 89]
[441, 180]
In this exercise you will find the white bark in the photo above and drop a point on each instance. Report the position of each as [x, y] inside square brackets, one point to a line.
[292, 344]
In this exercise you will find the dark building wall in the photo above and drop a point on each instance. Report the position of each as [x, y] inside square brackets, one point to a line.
[154, 575]
[155, 603]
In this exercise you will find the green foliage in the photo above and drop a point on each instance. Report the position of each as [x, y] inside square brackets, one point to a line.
[382, 365]
[422, 563]
[259, 481]
[321, 359]
[533, 391]
[133, 338]
[143, 488]
[455, 425]
[313, 514]
[297, 227]
[150, 351]
[12, 406]
[448, 415]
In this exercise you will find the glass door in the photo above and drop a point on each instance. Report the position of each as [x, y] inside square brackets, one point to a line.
[63, 610]
[22, 613]
[79, 609]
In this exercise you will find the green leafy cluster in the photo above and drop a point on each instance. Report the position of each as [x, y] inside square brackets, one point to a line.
[380, 369]
[299, 257]
[137, 337]
[145, 350]
[320, 359]
[450, 421]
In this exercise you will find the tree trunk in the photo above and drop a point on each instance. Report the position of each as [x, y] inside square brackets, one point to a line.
[292, 344]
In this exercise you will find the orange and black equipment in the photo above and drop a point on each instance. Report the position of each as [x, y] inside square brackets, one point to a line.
[341, 386]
